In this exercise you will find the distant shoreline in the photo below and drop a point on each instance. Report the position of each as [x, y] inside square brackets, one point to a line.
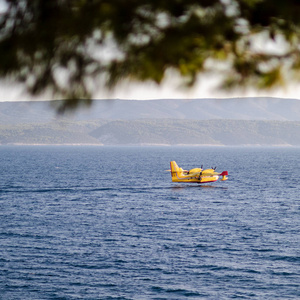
[152, 145]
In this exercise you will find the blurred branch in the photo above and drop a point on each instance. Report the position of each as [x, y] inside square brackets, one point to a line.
[61, 46]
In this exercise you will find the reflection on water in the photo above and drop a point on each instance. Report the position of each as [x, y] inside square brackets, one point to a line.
[182, 187]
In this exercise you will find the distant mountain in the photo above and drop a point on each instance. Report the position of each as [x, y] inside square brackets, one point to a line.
[191, 132]
[240, 121]
[58, 133]
[154, 132]
[195, 109]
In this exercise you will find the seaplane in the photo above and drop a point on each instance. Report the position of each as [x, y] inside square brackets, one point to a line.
[197, 175]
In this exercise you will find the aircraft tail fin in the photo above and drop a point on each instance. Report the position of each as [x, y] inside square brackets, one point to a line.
[175, 170]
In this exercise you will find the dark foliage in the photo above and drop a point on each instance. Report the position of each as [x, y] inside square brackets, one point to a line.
[67, 46]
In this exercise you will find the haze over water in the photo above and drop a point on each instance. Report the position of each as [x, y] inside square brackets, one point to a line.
[108, 223]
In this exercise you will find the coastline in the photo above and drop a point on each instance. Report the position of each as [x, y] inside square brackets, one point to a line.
[149, 145]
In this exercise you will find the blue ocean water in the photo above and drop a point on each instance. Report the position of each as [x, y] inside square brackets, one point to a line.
[108, 223]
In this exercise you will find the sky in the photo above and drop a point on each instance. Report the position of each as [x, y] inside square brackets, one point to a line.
[171, 88]
[204, 88]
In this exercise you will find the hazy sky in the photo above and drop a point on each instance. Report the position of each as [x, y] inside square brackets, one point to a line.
[205, 88]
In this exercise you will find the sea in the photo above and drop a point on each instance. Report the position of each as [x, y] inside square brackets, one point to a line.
[92, 222]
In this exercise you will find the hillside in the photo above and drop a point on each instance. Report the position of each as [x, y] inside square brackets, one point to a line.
[154, 131]
[196, 109]
[192, 132]
[239, 121]
[49, 133]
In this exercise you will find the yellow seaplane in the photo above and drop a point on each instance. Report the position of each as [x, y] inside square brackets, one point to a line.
[197, 175]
